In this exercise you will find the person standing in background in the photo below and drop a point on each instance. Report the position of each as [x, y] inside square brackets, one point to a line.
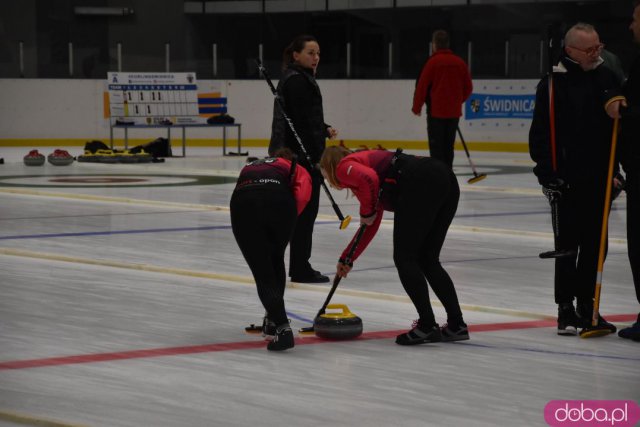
[300, 94]
[574, 170]
[444, 85]
[629, 156]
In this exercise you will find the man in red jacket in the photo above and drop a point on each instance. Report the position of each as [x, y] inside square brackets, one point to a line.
[444, 84]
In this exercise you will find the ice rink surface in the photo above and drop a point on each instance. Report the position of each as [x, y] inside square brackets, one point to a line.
[124, 300]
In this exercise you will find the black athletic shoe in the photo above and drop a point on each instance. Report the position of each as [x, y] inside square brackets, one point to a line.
[268, 327]
[606, 325]
[313, 277]
[283, 338]
[632, 332]
[420, 336]
[454, 333]
[585, 312]
[568, 321]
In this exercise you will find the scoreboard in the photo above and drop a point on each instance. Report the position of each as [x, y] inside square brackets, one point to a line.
[153, 98]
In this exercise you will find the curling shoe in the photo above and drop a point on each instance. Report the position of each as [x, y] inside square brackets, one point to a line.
[584, 313]
[313, 277]
[632, 332]
[268, 327]
[568, 320]
[283, 338]
[454, 333]
[606, 325]
[420, 335]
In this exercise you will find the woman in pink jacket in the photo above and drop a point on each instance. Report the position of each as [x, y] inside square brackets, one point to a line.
[424, 194]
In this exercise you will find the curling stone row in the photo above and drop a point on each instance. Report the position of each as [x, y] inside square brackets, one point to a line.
[57, 158]
[111, 156]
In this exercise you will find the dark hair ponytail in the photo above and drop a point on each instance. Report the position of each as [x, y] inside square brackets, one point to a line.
[295, 46]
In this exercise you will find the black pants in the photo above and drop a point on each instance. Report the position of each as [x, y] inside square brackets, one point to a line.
[427, 201]
[580, 225]
[442, 136]
[262, 224]
[633, 226]
[302, 239]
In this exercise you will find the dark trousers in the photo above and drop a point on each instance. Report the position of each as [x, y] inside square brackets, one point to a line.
[262, 223]
[302, 239]
[633, 226]
[442, 136]
[427, 201]
[580, 225]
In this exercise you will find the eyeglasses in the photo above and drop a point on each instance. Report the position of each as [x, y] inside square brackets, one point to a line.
[590, 51]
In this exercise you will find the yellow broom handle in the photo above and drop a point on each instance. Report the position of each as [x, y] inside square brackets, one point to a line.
[605, 222]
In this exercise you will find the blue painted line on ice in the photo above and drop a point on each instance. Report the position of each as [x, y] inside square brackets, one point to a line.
[298, 317]
[384, 267]
[562, 353]
[496, 214]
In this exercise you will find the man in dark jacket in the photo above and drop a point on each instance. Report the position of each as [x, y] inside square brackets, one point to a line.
[572, 168]
[444, 84]
[629, 155]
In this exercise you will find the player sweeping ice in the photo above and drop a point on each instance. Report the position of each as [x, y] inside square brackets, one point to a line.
[269, 196]
[423, 192]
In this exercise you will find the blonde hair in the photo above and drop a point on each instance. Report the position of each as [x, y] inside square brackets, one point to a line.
[329, 162]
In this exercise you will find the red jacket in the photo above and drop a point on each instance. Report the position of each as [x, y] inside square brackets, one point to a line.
[445, 80]
[359, 173]
[273, 173]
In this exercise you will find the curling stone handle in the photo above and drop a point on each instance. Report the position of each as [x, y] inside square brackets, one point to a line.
[343, 307]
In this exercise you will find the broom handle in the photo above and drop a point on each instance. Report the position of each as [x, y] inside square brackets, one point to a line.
[336, 279]
[466, 150]
[605, 222]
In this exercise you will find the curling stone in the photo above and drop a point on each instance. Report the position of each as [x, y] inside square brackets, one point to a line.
[60, 158]
[34, 158]
[341, 325]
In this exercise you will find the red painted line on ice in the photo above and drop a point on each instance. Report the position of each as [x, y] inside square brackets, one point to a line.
[248, 345]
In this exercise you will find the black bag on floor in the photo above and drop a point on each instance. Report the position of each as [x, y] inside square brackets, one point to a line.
[93, 146]
[157, 148]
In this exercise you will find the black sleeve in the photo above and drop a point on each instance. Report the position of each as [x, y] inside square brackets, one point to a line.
[631, 90]
[298, 95]
[539, 140]
[609, 84]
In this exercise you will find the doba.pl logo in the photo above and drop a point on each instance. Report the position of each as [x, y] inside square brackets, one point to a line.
[592, 413]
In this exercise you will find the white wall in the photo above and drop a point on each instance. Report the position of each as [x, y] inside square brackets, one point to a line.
[361, 110]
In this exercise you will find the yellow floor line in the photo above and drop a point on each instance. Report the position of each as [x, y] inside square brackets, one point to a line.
[33, 421]
[247, 280]
[127, 265]
[109, 199]
[403, 298]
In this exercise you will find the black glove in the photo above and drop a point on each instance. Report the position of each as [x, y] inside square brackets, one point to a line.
[554, 188]
[616, 189]
[344, 261]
